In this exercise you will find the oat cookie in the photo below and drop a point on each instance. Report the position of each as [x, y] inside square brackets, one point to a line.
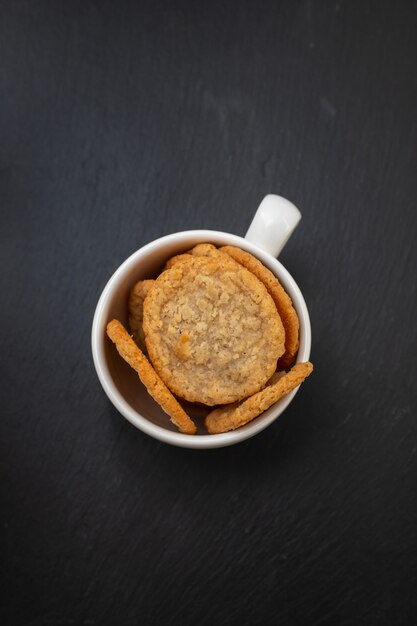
[130, 352]
[212, 330]
[231, 417]
[137, 296]
[280, 297]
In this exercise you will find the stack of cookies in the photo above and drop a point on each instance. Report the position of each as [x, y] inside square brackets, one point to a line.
[217, 329]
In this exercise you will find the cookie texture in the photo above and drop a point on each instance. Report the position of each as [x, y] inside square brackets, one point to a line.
[205, 249]
[212, 330]
[276, 376]
[231, 417]
[137, 297]
[130, 352]
[280, 297]
[178, 258]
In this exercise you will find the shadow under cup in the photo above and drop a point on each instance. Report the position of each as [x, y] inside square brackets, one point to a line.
[120, 381]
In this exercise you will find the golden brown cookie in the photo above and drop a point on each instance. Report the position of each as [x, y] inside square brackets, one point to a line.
[137, 296]
[178, 258]
[231, 417]
[212, 330]
[130, 352]
[280, 297]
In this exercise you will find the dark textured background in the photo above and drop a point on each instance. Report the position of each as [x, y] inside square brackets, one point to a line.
[124, 121]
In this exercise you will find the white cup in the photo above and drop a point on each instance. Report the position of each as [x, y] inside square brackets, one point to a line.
[270, 229]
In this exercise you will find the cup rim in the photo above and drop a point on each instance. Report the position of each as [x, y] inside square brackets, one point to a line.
[160, 433]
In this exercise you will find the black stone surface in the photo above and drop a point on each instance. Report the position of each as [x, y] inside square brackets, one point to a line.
[124, 121]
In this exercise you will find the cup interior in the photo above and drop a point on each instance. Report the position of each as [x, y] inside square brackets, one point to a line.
[122, 384]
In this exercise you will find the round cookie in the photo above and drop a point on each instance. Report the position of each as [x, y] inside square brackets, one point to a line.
[137, 297]
[212, 330]
[231, 417]
[130, 352]
[280, 297]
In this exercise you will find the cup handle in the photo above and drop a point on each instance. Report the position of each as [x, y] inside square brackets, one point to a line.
[273, 224]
